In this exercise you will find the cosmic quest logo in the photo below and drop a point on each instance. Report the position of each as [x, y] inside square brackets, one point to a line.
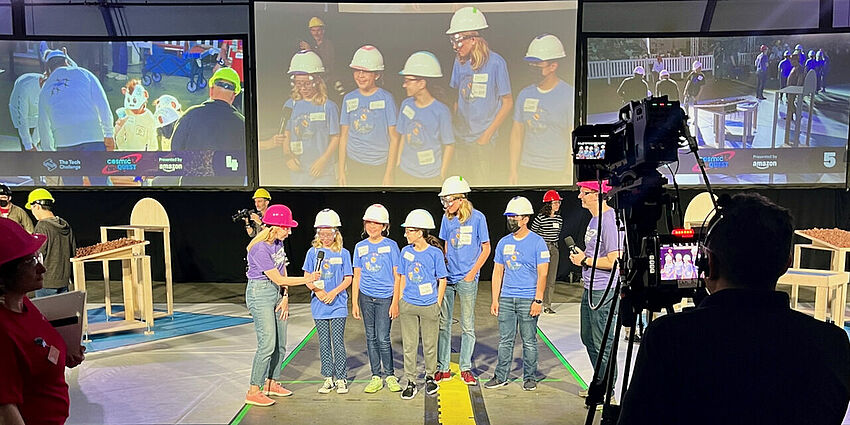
[717, 160]
[125, 163]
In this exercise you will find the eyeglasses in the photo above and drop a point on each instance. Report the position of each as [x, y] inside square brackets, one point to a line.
[35, 259]
[302, 84]
[410, 80]
[326, 233]
[225, 85]
[457, 40]
[538, 65]
[583, 193]
[411, 230]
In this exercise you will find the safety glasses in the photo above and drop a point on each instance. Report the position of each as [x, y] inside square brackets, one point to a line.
[225, 85]
[457, 40]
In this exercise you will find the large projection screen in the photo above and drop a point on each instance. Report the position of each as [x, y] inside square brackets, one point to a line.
[745, 120]
[122, 113]
[300, 142]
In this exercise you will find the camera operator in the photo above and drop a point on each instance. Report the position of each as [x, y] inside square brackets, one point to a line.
[254, 223]
[742, 356]
[593, 321]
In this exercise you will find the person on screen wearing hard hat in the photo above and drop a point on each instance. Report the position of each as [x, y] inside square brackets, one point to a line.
[543, 119]
[231, 55]
[666, 86]
[12, 211]
[634, 87]
[320, 44]
[484, 98]
[73, 112]
[311, 137]
[376, 262]
[60, 246]
[418, 297]
[548, 223]
[520, 266]
[425, 125]
[329, 300]
[367, 125]
[693, 86]
[262, 199]
[464, 230]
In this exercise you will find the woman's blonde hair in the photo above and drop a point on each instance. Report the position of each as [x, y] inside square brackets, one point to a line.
[320, 98]
[464, 212]
[480, 53]
[336, 246]
[265, 235]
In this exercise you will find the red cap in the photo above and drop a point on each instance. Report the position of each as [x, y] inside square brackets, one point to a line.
[594, 185]
[279, 215]
[551, 195]
[15, 242]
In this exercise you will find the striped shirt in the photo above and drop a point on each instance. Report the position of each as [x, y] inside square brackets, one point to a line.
[549, 228]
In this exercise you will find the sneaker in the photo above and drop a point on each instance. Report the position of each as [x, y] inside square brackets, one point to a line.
[341, 386]
[274, 388]
[582, 393]
[468, 378]
[431, 387]
[409, 392]
[548, 310]
[258, 399]
[375, 385]
[599, 407]
[392, 384]
[495, 383]
[529, 385]
[327, 386]
[442, 376]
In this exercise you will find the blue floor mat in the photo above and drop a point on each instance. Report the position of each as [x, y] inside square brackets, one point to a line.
[164, 327]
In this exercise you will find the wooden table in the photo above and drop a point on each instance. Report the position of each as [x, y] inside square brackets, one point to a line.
[747, 105]
[824, 282]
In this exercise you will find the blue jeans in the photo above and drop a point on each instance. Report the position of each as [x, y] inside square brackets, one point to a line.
[467, 291]
[43, 292]
[83, 147]
[513, 313]
[593, 326]
[262, 296]
[376, 318]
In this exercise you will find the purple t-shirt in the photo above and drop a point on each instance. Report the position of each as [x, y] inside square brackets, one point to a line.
[611, 241]
[266, 256]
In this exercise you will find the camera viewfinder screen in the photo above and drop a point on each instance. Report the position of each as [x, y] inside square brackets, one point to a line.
[677, 261]
[590, 150]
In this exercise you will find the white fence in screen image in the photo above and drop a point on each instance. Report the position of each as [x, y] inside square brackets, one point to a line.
[621, 68]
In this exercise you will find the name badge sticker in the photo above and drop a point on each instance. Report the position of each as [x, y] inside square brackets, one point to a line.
[335, 260]
[426, 289]
[377, 104]
[351, 104]
[409, 256]
[509, 249]
[480, 78]
[530, 105]
[384, 250]
[296, 147]
[363, 250]
[408, 112]
[317, 116]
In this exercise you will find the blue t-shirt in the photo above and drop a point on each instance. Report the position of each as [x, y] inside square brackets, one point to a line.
[463, 243]
[547, 119]
[368, 119]
[266, 256]
[310, 131]
[611, 241]
[479, 95]
[520, 258]
[423, 132]
[376, 262]
[422, 271]
[335, 266]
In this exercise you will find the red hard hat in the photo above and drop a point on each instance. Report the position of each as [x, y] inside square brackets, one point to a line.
[763, 47]
[15, 242]
[279, 215]
[551, 195]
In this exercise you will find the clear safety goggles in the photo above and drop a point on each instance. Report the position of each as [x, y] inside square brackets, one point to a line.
[448, 199]
[301, 84]
[326, 232]
[457, 40]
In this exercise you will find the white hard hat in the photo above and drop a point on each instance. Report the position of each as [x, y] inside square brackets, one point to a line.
[454, 185]
[306, 62]
[419, 219]
[167, 101]
[545, 47]
[165, 115]
[663, 73]
[377, 213]
[467, 19]
[697, 64]
[519, 205]
[639, 70]
[367, 58]
[327, 218]
[422, 64]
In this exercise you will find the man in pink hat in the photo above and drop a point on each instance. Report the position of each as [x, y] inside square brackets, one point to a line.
[610, 241]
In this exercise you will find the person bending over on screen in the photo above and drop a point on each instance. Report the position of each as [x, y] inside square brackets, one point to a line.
[742, 354]
[32, 373]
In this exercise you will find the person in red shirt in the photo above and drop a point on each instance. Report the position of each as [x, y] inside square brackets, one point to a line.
[32, 372]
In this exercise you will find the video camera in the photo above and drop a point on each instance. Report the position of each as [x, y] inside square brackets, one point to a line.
[242, 215]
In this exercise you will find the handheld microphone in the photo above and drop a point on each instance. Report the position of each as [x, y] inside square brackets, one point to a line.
[287, 113]
[571, 244]
[319, 258]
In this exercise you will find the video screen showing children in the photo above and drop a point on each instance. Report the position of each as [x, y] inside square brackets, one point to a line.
[677, 262]
[123, 113]
[764, 109]
[590, 150]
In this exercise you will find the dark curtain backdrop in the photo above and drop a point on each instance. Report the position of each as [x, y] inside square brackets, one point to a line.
[208, 247]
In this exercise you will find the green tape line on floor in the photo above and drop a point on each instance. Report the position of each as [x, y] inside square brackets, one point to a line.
[563, 360]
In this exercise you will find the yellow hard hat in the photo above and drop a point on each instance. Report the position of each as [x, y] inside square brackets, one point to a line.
[229, 75]
[38, 195]
[262, 193]
[315, 22]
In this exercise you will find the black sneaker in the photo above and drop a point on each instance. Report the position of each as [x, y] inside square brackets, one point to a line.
[548, 310]
[409, 392]
[529, 385]
[495, 383]
[431, 387]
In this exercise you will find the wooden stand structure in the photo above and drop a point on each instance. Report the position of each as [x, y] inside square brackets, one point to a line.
[838, 266]
[825, 282]
[148, 216]
[138, 297]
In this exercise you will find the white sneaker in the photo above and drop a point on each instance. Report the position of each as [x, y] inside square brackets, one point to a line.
[327, 386]
[341, 386]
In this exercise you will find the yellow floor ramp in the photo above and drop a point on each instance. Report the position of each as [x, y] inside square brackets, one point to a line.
[455, 403]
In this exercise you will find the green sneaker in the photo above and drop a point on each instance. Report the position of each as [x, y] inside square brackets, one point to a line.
[375, 385]
[392, 384]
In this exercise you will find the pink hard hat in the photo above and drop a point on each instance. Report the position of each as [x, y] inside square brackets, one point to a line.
[15, 242]
[594, 185]
[279, 215]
